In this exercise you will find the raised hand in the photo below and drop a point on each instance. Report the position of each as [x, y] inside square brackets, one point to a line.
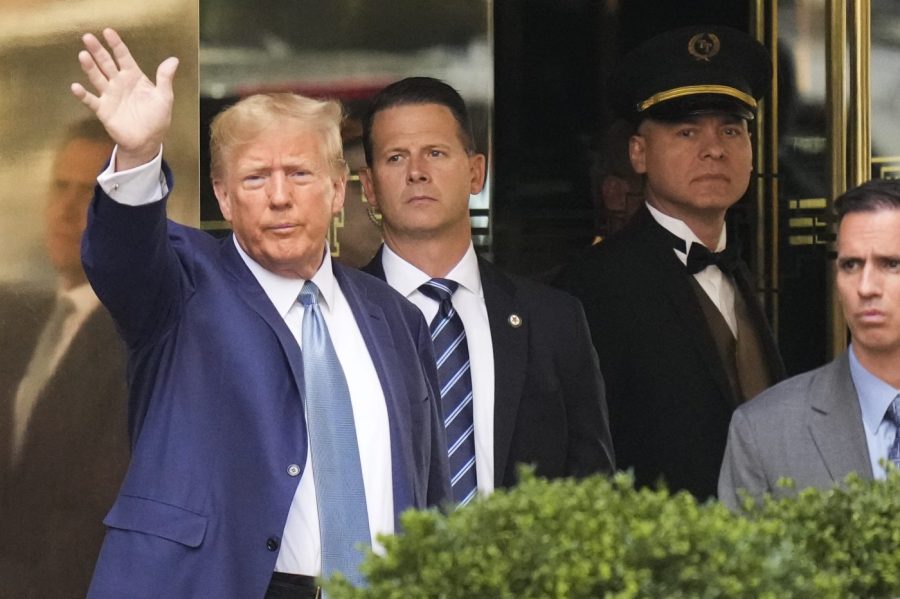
[135, 111]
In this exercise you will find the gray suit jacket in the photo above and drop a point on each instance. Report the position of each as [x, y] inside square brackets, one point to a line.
[808, 428]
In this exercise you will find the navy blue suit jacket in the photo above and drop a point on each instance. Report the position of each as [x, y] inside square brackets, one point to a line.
[215, 408]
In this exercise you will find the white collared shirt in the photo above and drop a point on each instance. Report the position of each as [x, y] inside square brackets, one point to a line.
[469, 303]
[717, 286]
[300, 551]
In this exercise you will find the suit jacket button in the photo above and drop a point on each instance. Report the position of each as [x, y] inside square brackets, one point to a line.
[272, 543]
[293, 470]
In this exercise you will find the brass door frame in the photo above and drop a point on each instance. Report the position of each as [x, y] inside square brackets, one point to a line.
[849, 46]
[764, 26]
[848, 109]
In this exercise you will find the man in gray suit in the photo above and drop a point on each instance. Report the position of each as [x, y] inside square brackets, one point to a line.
[819, 426]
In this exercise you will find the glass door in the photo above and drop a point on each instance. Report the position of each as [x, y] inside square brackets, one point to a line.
[831, 123]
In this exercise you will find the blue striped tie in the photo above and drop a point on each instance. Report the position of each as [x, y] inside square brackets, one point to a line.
[341, 497]
[452, 355]
[893, 416]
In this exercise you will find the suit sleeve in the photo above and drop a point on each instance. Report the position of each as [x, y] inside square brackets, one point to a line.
[132, 266]
[590, 447]
[741, 466]
[608, 346]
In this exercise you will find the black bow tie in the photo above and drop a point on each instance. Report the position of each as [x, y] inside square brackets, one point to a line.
[700, 257]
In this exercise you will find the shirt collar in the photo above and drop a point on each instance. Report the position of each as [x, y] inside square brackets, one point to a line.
[680, 229]
[82, 298]
[406, 278]
[283, 291]
[874, 394]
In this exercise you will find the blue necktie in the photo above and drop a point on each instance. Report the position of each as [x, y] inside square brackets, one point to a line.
[893, 416]
[341, 498]
[452, 355]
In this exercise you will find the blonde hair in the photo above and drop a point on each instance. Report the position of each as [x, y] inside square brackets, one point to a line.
[242, 122]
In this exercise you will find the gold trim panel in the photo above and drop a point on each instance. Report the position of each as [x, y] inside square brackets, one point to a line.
[808, 204]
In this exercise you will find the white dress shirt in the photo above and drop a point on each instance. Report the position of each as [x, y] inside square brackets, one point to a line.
[717, 286]
[469, 303]
[300, 551]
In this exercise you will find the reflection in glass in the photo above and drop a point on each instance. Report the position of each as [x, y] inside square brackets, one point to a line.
[885, 82]
[347, 50]
[803, 178]
[804, 183]
[63, 430]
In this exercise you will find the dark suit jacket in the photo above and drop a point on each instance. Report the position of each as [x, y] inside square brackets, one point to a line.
[669, 397]
[808, 428]
[73, 458]
[549, 403]
[216, 410]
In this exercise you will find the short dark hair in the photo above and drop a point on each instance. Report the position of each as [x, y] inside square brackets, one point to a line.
[871, 196]
[419, 90]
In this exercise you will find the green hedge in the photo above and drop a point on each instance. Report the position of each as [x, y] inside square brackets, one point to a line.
[603, 538]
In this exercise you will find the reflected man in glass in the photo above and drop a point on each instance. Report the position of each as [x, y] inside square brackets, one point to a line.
[63, 436]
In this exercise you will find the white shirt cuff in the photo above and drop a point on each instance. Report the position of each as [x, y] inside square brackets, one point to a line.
[137, 186]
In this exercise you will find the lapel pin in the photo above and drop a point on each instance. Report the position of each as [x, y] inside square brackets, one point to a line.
[515, 321]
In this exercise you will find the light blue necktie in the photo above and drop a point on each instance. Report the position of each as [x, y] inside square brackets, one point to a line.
[893, 416]
[341, 498]
[452, 355]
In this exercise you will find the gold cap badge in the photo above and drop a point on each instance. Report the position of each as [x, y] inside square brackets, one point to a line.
[704, 46]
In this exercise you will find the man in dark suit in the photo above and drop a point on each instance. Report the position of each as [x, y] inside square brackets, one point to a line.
[819, 426]
[681, 338]
[63, 441]
[256, 464]
[533, 391]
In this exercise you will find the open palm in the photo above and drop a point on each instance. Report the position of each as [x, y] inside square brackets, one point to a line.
[135, 111]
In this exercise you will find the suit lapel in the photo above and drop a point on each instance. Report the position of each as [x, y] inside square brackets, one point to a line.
[21, 322]
[657, 256]
[835, 422]
[252, 294]
[94, 340]
[377, 335]
[510, 349]
[760, 323]
[80, 396]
